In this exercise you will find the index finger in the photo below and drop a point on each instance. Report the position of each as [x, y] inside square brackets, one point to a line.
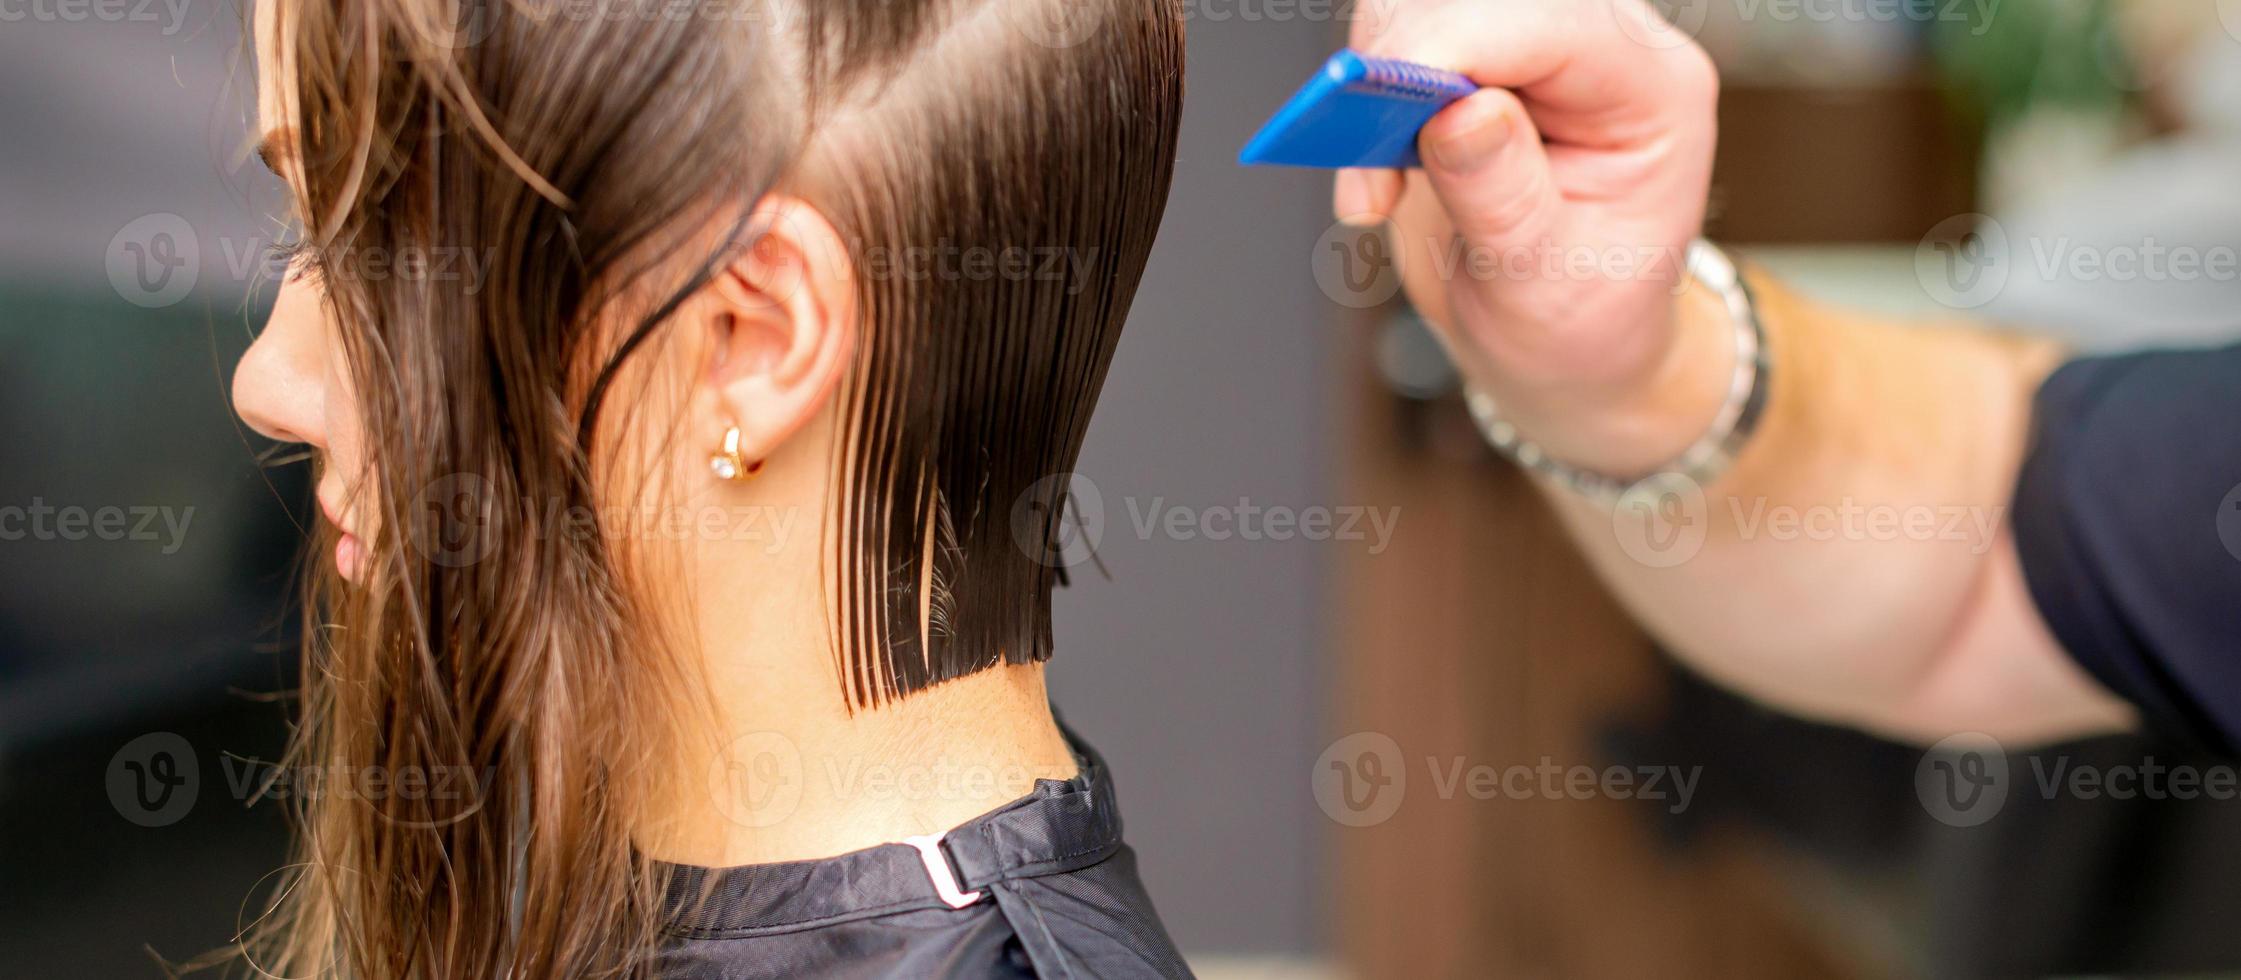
[1594, 72]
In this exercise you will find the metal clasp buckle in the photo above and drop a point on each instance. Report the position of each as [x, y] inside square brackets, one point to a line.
[937, 868]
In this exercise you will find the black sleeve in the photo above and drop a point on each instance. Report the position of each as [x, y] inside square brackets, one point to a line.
[2127, 515]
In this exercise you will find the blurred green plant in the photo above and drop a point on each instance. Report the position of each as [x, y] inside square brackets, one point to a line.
[2004, 57]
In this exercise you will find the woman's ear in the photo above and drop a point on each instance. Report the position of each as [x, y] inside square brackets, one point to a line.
[781, 322]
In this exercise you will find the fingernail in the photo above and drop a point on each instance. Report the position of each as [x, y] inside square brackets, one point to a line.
[1475, 145]
[1351, 199]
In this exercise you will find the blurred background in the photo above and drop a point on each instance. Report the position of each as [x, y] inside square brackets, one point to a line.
[1931, 157]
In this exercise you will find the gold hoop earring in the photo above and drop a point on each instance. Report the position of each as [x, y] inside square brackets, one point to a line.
[727, 463]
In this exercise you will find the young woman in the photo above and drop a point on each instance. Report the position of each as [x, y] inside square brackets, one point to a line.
[684, 575]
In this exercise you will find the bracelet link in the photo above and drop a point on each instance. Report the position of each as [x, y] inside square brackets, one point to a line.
[1712, 453]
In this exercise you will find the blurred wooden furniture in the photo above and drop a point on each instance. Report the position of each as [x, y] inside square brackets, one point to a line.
[1480, 634]
[1806, 164]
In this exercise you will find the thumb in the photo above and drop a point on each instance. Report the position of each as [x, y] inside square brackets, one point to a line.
[1486, 163]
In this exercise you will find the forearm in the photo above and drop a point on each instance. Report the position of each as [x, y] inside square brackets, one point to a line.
[1852, 564]
[1856, 552]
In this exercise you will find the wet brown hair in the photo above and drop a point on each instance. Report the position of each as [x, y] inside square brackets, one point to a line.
[578, 147]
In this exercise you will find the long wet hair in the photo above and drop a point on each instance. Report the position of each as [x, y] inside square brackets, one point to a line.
[576, 148]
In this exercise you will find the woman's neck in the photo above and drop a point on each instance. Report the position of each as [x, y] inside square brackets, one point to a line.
[791, 774]
[778, 768]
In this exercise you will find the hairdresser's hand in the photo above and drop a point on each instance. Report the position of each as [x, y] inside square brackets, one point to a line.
[1545, 234]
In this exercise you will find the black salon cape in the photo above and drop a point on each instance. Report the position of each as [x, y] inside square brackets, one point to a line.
[2127, 519]
[1060, 898]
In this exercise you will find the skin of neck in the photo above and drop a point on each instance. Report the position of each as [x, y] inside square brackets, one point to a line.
[776, 766]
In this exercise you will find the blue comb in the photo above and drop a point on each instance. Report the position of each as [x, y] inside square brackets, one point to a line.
[1358, 112]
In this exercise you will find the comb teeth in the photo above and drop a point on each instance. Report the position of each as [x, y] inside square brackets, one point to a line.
[1356, 112]
[1402, 78]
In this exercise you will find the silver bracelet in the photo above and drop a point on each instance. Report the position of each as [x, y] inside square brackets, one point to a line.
[1713, 453]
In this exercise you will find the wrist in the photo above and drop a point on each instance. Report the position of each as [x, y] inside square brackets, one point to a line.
[1639, 424]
